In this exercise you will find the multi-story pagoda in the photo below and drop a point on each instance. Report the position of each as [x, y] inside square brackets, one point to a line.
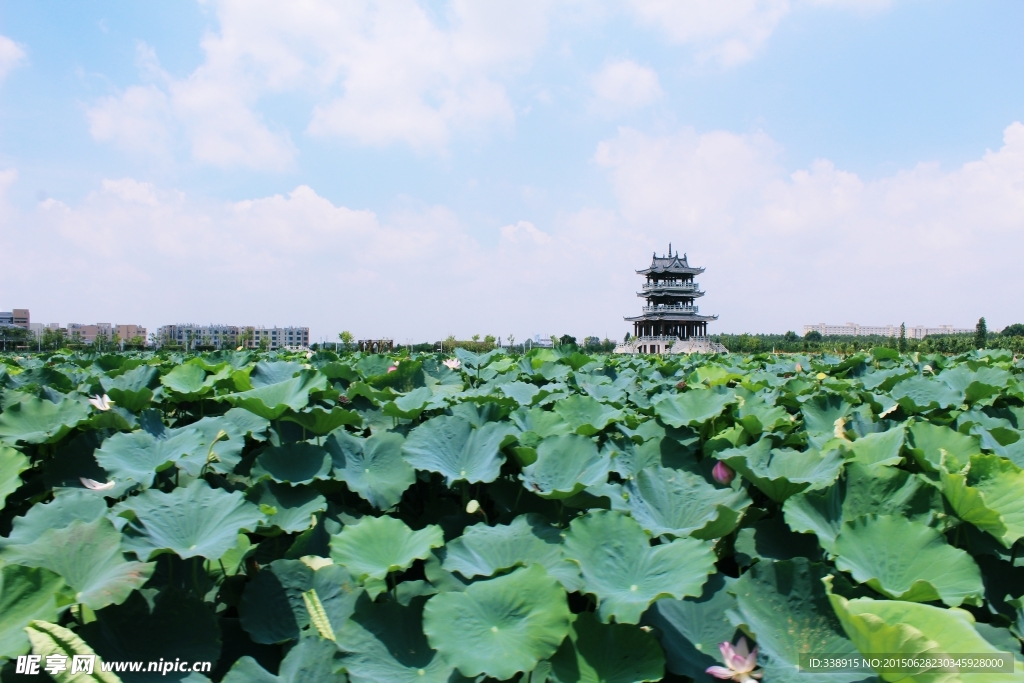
[670, 321]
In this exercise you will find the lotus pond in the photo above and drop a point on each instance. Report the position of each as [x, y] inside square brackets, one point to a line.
[550, 517]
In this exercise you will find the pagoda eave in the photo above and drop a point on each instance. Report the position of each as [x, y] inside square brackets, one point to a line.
[673, 317]
[685, 295]
[659, 270]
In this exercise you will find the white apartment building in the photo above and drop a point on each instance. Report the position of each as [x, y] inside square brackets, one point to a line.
[855, 330]
[233, 336]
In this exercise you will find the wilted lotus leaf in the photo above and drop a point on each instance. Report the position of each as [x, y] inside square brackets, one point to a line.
[501, 626]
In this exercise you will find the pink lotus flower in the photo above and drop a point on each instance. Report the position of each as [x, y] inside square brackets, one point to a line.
[722, 473]
[392, 368]
[739, 664]
[453, 363]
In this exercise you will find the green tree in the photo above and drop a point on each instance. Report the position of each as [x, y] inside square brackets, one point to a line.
[1015, 330]
[790, 336]
[901, 345]
[346, 339]
[566, 339]
[813, 335]
[980, 333]
[490, 339]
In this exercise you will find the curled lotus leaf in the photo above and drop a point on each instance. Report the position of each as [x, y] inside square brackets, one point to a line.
[271, 401]
[586, 415]
[907, 560]
[12, 464]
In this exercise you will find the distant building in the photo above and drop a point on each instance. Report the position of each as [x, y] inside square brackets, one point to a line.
[88, 334]
[19, 317]
[233, 336]
[855, 330]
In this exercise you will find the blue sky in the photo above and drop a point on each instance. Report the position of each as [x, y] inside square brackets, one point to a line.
[417, 170]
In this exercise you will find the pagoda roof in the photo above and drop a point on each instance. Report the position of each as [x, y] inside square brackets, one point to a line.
[670, 264]
[674, 316]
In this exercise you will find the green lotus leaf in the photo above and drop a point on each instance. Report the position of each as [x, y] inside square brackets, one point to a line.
[936, 446]
[291, 509]
[294, 463]
[910, 629]
[540, 423]
[691, 629]
[451, 446]
[409, 406]
[49, 639]
[275, 605]
[607, 653]
[26, 594]
[12, 464]
[501, 626]
[864, 489]
[784, 606]
[629, 458]
[379, 545]
[585, 415]
[67, 506]
[484, 550]
[192, 521]
[976, 385]
[320, 422]
[187, 381]
[271, 401]
[132, 390]
[990, 495]
[626, 574]
[247, 423]
[821, 412]
[680, 503]
[265, 374]
[222, 451]
[772, 539]
[169, 625]
[783, 472]
[907, 560]
[385, 642]
[40, 421]
[565, 466]
[921, 394]
[694, 408]
[312, 660]
[139, 455]
[522, 392]
[879, 448]
[758, 416]
[374, 467]
[88, 557]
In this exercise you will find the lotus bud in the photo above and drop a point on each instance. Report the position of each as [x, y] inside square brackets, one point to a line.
[722, 473]
[799, 368]
[821, 375]
[392, 368]
[473, 507]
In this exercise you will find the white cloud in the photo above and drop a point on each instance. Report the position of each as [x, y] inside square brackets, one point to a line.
[625, 84]
[375, 74]
[11, 56]
[924, 245]
[728, 32]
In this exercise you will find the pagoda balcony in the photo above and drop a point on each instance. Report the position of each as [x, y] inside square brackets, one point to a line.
[670, 309]
[673, 286]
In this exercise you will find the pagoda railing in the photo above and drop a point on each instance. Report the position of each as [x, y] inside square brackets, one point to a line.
[676, 285]
[670, 309]
[667, 338]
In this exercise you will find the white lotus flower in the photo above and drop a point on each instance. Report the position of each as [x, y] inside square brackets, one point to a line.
[453, 363]
[473, 507]
[94, 485]
[101, 402]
